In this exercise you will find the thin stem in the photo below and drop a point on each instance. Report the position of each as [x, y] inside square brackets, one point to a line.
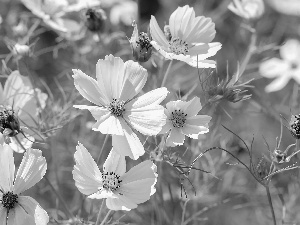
[100, 153]
[105, 218]
[100, 212]
[62, 201]
[270, 203]
[297, 147]
[166, 74]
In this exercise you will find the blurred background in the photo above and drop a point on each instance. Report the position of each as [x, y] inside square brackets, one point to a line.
[228, 195]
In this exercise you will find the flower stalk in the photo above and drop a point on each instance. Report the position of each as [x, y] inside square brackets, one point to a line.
[163, 83]
[270, 203]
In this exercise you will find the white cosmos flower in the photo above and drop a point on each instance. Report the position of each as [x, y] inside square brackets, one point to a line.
[283, 69]
[187, 38]
[117, 110]
[16, 209]
[182, 119]
[122, 190]
[19, 110]
[247, 9]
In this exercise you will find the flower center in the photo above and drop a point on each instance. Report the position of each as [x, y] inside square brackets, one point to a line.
[178, 46]
[111, 181]
[8, 121]
[295, 127]
[144, 41]
[9, 200]
[178, 118]
[117, 107]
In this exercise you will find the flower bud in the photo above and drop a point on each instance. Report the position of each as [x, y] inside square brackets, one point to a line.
[141, 47]
[247, 9]
[95, 20]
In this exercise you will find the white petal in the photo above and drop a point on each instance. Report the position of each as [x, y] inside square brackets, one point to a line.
[86, 173]
[88, 88]
[7, 168]
[164, 51]
[103, 193]
[115, 163]
[134, 80]
[34, 210]
[193, 131]
[97, 112]
[198, 120]
[18, 216]
[213, 49]
[166, 128]
[129, 144]
[290, 51]
[278, 83]
[199, 49]
[32, 169]
[193, 107]
[175, 138]
[273, 68]
[121, 203]
[26, 142]
[3, 214]
[110, 76]
[157, 34]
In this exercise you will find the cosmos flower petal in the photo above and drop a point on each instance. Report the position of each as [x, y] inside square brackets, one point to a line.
[198, 49]
[157, 34]
[278, 83]
[86, 173]
[186, 23]
[129, 144]
[26, 142]
[290, 51]
[175, 138]
[3, 214]
[102, 194]
[163, 51]
[7, 168]
[111, 125]
[193, 131]
[115, 163]
[198, 120]
[273, 67]
[120, 203]
[18, 216]
[200, 63]
[134, 80]
[88, 88]
[214, 47]
[97, 112]
[193, 107]
[32, 169]
[168, 126]
[34, 210]
[178, 18]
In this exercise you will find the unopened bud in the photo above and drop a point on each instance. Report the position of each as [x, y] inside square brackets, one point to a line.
[295, 126]
[95, 20]
[248, 9]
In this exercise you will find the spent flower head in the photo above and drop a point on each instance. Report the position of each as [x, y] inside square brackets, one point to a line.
[182, 120]
[187, 38]
[117, 111]
[283, 69]
[122, 190]
[95, 19]
[247, 9]
[16, 209]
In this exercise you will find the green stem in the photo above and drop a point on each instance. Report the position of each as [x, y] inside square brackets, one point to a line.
[100, 212]
[297, 147]
[166, 74]
[62, 201]
[100, 153]
[105, 218]
[271, 204]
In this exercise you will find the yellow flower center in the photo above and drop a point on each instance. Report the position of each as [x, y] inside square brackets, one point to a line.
[111, 181]
[178, 118]
[178, 46]
[117, 107]
[9, 200]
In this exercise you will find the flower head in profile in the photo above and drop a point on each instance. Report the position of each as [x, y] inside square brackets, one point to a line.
[16, 209]
[122, 190]
[19, 111]
[117, 110]
[283, 69]
[247, 9]
[182, 120]
[187, 38]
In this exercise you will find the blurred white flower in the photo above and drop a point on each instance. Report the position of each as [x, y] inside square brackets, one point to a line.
[182, 119]
[19, 109]
[20, 50]
[117, 110]
[187, 38]
[125, 12]
[122, 190]
[283, 69]
[16, 209]
[288, 7]
[247, 9]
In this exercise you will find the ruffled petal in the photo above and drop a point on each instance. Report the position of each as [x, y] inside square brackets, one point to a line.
[34, 210]
[110, 76]
[86, 173]
[7, 168]
[290, 51]
[193, 131]
[134, 80]
[18, 216]
[129, 144]
[193, 107]
[278, 83]
[115, 163]
[88, 88]
[273, 68]
[32, 169]
[175, 138]
[3, 214]
[157, 34]
[120, 203]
